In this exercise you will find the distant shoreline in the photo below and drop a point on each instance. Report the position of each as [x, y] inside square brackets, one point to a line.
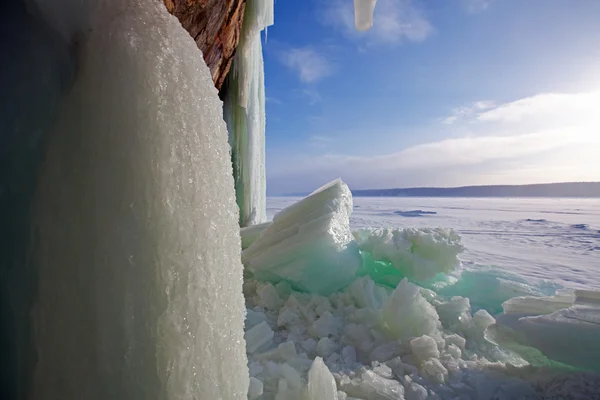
[555, 190]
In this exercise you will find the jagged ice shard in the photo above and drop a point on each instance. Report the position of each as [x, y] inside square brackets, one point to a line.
[244, 112]
[135, 224]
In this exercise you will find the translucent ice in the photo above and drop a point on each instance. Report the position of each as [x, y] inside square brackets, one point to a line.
[244, 112]
[419, 254]
[138, 242]
[569, 336]
[309, 244]
[321, 385]
[363, 14]
[407, 314]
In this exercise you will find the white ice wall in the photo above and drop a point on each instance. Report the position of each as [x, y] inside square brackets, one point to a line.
[138, 247]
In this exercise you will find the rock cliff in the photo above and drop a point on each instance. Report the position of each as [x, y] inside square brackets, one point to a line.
[215, 25]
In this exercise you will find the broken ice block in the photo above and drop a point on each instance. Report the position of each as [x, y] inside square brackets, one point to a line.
[407, 314]
[321, 385]
[363, 14]
[569, 336]
[255, 389]
[249, 234]
[258, 336]
[424, 348]
[309, 244]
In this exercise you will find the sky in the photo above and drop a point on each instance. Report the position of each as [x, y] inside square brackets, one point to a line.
[437, 93]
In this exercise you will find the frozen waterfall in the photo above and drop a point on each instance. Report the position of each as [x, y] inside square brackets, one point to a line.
[136, 253]
[244, 112]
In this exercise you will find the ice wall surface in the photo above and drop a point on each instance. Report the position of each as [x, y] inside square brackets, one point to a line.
[138, 247]
[309, 244]
[244, 112]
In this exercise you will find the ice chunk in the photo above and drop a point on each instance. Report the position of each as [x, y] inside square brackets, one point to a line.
[255, 390]
[326, 325]
[488, 288]
[326, 347]
[373, 387]
[454, 312]
[321, 385]
[309, 244]
[349, 355]
[418, 254]
[284, 352]
[456, 340]
[254, 318]
[564, 336]
[424, 348]
[483, 320]
[249, 234]
[363, 14]
[454, 351]
[268, 296]
[407, 314]
[434, 370]
[414, 391]
[569, 336]
[258, 336]
[538, 305]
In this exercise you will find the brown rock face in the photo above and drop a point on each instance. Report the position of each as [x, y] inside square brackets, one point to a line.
[215, 25]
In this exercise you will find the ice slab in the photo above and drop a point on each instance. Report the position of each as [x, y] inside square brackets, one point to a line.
[363, 14]
[309, 244]
[250, 234]
[569, 335]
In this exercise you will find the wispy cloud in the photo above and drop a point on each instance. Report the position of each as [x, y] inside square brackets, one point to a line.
[310, 64]
[475, 6]
[395, 21]
[542, 138]
[468, 111]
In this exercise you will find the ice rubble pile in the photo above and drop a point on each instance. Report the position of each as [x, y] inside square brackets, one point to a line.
[420, 254]
[332, 317]
[373, 342]
[309, 245]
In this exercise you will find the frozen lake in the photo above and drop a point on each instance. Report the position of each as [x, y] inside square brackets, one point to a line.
[539, 239]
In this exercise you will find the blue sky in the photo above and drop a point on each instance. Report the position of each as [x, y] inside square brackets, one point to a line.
[437, 93]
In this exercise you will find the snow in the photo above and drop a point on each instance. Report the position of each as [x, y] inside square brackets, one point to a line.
[244, 112]
[140, 279]
[309, 244]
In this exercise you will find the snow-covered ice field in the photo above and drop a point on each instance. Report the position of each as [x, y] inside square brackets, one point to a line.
[555, 240]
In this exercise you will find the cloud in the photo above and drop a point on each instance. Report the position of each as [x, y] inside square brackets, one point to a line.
[475, 6]
[395, 21]
[310, 65]
[542, 138]
[468, 111]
